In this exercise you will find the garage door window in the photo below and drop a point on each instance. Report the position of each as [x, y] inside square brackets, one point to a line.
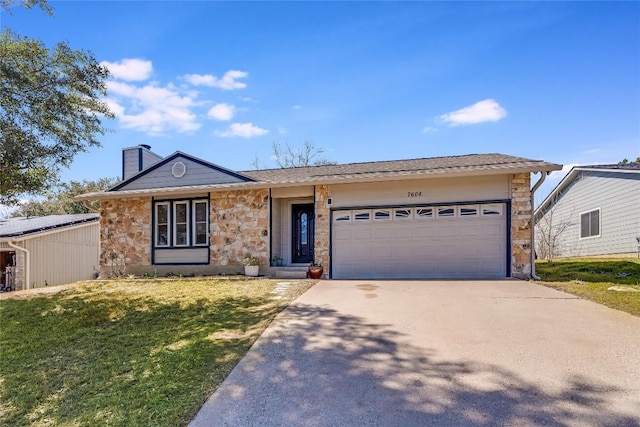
[382, 214]
[492, 210]
[342, 216]
[468, 210]
[424, 212]
[362, 215]
[403, 214]
[446, 211]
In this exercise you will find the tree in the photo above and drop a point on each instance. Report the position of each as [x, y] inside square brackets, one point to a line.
[307, 155]
[60, 201]
[549, 230]
[51, 109]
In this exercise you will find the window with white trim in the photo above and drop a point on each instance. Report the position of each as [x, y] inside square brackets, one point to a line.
[382, 214]
[201, 222]
[590, 224]
[342, 216]
[403, 213]
[424, 213]
[162, 224]
[363, 215]
[446, 211]
[469, 210]
[491, 210]
[181, 223]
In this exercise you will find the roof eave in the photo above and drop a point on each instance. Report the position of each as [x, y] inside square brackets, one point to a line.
[345, 179]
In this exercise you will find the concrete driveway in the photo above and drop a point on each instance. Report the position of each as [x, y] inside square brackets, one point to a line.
[431, 353]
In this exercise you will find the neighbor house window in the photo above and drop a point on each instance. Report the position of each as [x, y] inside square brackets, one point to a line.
[181, 223]
[590, 224]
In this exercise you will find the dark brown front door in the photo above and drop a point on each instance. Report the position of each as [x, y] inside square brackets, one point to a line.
[302, 233]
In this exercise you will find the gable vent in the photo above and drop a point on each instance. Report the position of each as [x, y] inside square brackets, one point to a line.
[178, 169]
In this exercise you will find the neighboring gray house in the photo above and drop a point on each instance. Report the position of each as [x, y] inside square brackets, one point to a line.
[456, 216]
[594, 211]
[48, 250]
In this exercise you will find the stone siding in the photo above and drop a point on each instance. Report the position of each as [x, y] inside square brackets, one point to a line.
[321, 235]
[239, 226]
[125, 235]
[19, 271]
[521, 226]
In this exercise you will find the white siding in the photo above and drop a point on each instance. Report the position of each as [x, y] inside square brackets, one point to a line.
[617, 195]
[196, 174]
[181, 256]
[421, 191]
[65, 256]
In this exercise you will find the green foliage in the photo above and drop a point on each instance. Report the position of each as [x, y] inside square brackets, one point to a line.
[51, 109]
[128, 353]
[7, 5]
[60, 201]
[592, 278]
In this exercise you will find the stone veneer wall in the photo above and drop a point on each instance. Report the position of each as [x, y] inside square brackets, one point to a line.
[125, 235]
[521, 226]
[239, 225]
[19, 271]
[321, 235]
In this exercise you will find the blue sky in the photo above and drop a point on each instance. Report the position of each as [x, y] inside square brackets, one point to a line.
[558, 81]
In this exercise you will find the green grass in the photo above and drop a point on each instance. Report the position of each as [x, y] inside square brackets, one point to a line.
[127, 353]
[592, 278]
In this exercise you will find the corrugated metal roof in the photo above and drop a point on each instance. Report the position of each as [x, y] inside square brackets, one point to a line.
[22, 226]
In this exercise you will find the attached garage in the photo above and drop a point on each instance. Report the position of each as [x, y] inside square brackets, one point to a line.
[424, 241]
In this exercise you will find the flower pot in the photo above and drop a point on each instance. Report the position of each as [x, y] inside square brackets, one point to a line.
[251, 270]
[315, 272]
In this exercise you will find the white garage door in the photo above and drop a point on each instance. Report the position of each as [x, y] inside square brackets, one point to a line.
[458, 241]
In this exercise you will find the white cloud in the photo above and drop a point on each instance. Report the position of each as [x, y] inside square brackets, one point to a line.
[429, 129]
[151, 108]
[558, 175]
[482, 111]
[130, 69]
[247, 99]
[222, 112]
[282, 130]
[227, 82]
[243, 130]
[595, 150]
[297, 107]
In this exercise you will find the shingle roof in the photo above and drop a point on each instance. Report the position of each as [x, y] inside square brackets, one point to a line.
[467, 165]
[431, 165]
[616, 166]
[22, 226]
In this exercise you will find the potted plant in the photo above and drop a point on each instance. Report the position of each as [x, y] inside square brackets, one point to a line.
[315, 270]
[277, 261]
[251, 266]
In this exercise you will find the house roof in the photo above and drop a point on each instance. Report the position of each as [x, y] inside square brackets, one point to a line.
[433, 167]
[632, 167]
[19, 227]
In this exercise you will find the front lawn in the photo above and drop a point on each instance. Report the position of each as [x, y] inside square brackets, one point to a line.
[131, 352]
[592, 279]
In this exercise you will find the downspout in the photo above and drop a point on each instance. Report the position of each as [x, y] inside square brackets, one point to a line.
[26, 262]
[543, 176]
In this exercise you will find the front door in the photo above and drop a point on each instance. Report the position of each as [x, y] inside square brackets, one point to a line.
[302, 233]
